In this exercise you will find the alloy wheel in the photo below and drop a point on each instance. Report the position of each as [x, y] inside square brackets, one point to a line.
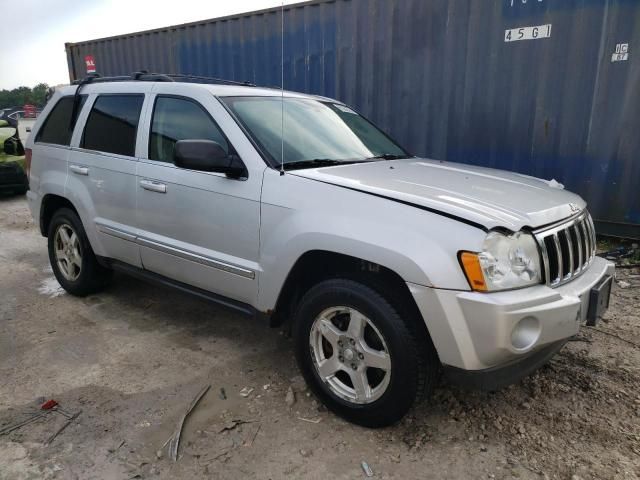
[350, 355]
[68, 252]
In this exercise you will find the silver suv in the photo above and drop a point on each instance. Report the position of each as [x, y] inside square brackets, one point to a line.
[388, 269]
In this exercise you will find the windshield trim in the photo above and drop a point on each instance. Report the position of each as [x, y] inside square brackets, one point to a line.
[267, 158]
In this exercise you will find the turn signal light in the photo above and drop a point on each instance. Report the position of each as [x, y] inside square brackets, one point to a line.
[472, 269]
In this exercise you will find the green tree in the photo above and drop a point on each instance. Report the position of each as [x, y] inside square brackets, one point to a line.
[38, 94]
[23, 95]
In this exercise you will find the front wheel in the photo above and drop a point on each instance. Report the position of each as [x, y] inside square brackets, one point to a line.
[358, 355]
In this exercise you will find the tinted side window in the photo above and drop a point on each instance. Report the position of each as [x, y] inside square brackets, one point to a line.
[112, 124]
[180, 119]
[58, 126]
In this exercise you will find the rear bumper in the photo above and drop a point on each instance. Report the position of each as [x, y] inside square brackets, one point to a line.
[481, 332]
[34, 200]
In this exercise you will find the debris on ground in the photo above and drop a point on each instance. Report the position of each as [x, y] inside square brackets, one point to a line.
[625, 255]
[232, 424]
[115, 449]
[290, 399]
[306, 453]
[310, 420]
[623, 284]
[32, 418]
[47, 409]
[246, 391]
[48, 405]
[174, 440]
[367, 469]
[252, 438]
[223, 394]
[63, 427]
[613, 335]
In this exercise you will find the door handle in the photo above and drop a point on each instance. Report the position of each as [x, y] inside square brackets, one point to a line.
[79, 170]
[153, 186]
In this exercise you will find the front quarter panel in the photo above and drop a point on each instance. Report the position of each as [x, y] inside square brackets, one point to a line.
[301, 215]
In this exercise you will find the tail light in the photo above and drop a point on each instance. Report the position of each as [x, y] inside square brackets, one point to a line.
[27, 162]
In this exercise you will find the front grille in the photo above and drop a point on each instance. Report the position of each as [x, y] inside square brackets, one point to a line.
[567, 249]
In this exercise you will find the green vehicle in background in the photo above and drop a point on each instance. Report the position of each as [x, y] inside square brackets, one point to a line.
[12, 175]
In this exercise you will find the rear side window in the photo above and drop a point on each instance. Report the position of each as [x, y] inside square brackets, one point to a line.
[58, 126]
[180, 119]
[112, 124]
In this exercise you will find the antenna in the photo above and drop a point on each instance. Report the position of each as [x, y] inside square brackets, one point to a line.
[282, 89]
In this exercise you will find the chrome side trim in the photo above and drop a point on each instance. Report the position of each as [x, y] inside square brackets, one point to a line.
[115, 232]
[193, 257]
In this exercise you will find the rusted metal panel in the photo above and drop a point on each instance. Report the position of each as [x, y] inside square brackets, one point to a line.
[440, 77]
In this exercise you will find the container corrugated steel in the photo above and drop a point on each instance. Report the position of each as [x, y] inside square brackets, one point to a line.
[439, 76]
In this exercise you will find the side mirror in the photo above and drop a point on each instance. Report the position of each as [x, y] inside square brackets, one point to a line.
[207, 156]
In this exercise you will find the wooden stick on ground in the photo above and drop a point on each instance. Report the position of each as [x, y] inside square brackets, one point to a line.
[174, 441]
[60, 430]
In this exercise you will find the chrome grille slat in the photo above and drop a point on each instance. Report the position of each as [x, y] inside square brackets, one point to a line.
[593, 235]
[556, 241]
[567, 249]
[545, 260]
[567, 236]
[587, 239]
[580, 245]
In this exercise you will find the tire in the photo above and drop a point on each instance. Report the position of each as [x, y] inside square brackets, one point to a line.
[410, 369]
[82, 275]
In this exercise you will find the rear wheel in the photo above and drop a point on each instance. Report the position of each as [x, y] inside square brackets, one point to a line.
[73, 262]
[358, 354]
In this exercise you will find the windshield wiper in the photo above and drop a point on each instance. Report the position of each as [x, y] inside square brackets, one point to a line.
[318, 162]
[389, 156]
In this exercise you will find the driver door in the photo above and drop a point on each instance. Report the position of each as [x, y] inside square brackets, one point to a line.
[199, 228]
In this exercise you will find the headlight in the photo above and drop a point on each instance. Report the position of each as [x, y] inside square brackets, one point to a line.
[505, 262]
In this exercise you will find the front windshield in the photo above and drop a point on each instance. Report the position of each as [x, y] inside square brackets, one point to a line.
[314, 131]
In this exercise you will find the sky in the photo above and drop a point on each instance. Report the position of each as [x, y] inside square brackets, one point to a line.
[34, 31]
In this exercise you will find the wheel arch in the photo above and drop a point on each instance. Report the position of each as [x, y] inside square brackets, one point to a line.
[50, 204]
[315, 266]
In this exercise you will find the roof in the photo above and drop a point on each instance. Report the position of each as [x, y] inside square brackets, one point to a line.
[125, 86]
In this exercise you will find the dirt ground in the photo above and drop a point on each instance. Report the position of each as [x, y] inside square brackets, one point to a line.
[133, 358]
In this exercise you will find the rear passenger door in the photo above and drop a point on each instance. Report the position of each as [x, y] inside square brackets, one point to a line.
[102, 172]
[199, 228]
[51, 146]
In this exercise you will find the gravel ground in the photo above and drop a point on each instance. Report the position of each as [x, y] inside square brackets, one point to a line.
[133, 357]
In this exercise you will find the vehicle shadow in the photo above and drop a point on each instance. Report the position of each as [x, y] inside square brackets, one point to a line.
[192, 321]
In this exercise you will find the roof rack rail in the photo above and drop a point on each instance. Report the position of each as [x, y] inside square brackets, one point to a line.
[144, 76]
[179, 77]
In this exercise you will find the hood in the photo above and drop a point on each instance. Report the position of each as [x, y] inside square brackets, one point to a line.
[484, 196]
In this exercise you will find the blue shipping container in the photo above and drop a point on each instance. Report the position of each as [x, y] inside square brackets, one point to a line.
[465, 81]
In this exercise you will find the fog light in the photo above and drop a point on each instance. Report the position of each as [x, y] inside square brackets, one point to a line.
[525, 333]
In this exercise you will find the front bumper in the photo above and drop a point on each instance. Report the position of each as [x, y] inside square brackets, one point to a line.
[494, 378]
[484, 331]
